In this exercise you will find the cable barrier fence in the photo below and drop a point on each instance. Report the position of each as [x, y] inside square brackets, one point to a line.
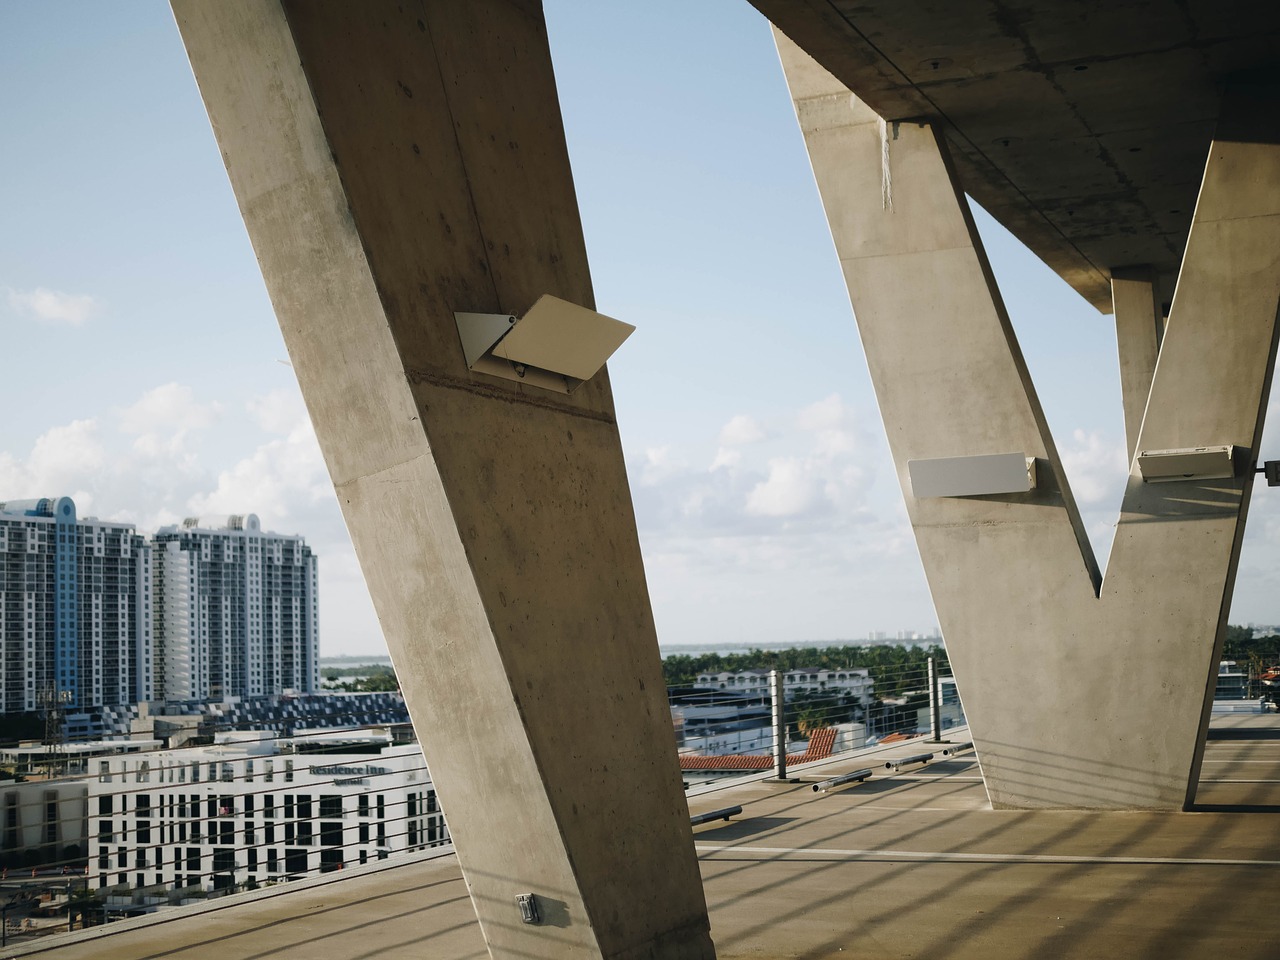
[135, 830]
[150, 829]
[727, 722]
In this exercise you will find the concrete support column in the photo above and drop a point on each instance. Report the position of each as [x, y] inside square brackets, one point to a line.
[1080, 693]
[1139, 328]
[396, 163]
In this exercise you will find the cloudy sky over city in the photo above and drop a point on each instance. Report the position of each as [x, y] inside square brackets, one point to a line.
[146, 378]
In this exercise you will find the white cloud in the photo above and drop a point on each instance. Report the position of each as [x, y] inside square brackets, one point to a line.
[1096, 467]
[53, 306]
[280, 411]
[282, 479]
[163, 419]
[788, 491]
[739, 431]
[798, 475]
[63, 459]
[833, 424]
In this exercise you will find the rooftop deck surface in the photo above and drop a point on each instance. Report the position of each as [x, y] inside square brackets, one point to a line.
[908, 865]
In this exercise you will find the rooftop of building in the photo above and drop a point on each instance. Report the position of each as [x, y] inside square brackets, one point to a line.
[909, 864]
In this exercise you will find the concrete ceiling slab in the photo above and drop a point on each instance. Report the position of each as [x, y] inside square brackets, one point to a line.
[1082, 127]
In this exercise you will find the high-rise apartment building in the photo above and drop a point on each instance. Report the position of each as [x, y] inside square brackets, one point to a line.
[236, 611]
[75, 609]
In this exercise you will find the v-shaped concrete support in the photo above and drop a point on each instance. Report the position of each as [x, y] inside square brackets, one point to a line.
[1081, 692]
[397, 163]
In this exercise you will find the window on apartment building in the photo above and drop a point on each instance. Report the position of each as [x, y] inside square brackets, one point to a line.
[288, 771]
[224, 859]
[331, 833]
[104, 771]
[252, 860]
[105, 804]
[144, 771]
[295, 861]
[304, 834]
[330, 806]
[364, 833]
[362, 805]
[51, 821]
[106, 831]
[273, 864]
[193, 860]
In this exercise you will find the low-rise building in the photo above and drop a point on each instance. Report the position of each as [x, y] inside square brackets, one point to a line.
[852, 682]
[251, 809]
[43, 822]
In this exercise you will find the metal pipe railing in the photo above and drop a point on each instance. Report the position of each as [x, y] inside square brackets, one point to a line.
[823, 786]
[899, 764]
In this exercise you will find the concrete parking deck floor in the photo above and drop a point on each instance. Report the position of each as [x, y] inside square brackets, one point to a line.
[910, 865]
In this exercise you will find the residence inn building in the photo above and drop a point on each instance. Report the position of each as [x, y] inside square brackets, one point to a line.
[251, 809]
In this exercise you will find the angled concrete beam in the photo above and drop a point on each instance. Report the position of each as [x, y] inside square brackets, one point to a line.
[395, 164]
[1139, 327]
[1116, 673]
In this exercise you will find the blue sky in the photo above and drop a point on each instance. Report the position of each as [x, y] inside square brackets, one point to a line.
[145, 374]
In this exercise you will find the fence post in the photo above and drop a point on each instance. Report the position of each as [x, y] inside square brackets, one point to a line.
[935, 704]
[779, 725]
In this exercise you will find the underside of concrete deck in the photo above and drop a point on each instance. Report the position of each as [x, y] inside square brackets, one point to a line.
[912, 864]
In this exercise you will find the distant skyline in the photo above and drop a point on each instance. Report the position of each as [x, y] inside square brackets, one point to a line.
[146, 378]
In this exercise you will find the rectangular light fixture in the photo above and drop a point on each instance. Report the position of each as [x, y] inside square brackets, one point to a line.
[1189, 463]
[556, 345]
[972, 476]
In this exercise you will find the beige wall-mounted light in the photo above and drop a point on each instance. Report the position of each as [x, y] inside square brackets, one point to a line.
[1191, 463]
[972, 476]
[556, 345]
